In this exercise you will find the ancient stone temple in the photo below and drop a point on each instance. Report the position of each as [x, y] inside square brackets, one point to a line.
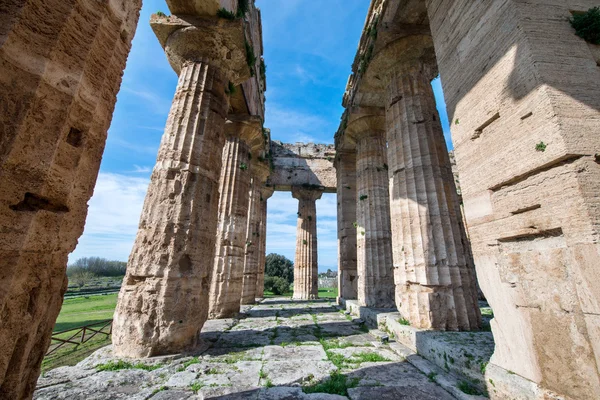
[522, 90]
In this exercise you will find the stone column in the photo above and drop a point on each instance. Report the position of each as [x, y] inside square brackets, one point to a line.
[305, 262]
[265, 193]
[345, 165]
[56, 111]
[525, 109]
[435, 279]
[373, 233]
[163, 301]
[228, 270]
[259, 172]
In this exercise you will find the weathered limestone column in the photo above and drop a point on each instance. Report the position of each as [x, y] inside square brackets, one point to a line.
[373, 233]
[228, 270]
[524, 101]
[265, 193]
[345, 164]
[305, 262]
[260, 172]
[163, 302]
[61, 64]
[435, 279]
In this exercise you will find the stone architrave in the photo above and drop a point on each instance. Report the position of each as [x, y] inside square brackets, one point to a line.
[265, 193]
[228, 270]
[259, 172]
[305, 262]
[345, 165]
[61, 64]
[436, 287]
[163, 302]
[373, 232]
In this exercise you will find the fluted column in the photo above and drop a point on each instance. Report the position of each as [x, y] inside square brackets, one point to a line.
[345, 165]
[61, 64]
[163, 301]
[373, 233]
[228, 270]
[265, 193]
[305, 262]
[435, 279]
[259, 172]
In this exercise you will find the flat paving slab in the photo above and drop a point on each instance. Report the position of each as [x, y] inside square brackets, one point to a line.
[278, 349]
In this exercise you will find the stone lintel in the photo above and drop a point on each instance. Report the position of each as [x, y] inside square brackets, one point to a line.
[193, 38]
[303, 164]
[199, 7]
[249, 129]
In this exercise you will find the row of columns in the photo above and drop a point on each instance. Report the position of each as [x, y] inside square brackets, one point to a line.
[397, 198]
[198, 248]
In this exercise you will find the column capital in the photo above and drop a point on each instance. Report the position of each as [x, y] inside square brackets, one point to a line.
[306, 193]
[362, 124]
[260, 171]
[266, 192]
[205, 39]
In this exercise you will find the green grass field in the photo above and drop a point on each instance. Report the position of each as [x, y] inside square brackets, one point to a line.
[75, 313]
[324, 293]
[85, 310]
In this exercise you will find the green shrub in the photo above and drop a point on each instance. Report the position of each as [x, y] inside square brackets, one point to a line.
[276, 285]
[250, 57]
[587, 25]
[223, 13]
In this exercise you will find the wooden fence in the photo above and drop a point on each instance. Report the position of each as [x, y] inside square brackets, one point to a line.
[79, 335]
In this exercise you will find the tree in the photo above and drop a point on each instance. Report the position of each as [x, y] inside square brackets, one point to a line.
[98, 266]
[278, 265]
[82, 277]
[276, 285]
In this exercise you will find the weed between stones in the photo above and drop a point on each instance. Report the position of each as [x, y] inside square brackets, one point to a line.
[336, 384]
[119, 365]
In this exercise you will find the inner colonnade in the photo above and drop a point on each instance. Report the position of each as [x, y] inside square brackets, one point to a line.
[514, 75]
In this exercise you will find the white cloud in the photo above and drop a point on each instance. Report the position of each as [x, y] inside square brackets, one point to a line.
[141, 170]
[159, 104]
[113, 217]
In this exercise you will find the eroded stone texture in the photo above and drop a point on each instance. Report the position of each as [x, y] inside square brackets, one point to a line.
[435, 279]
[516, 75]
[302, 164]
[346, 217]
[305, 262]
[163, 302]
[61, 64]
[259, 172]
[228, 271]
[265, 193]
[373, 233]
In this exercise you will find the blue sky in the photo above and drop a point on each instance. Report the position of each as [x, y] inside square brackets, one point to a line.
[308, 52]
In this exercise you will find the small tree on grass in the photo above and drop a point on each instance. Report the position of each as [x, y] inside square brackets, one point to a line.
[82, 277]
[276, 285]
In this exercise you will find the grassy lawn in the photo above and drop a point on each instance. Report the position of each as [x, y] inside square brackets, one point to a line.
[84, 311]
[75, 313]
[324, 293]
[328, 293]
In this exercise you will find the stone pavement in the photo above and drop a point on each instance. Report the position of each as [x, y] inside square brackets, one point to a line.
[278, 349]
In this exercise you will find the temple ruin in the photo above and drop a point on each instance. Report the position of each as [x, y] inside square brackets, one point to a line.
[523, 97]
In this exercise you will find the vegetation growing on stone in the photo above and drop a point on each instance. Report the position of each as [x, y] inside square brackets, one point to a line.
[336, 384]
[120, 364]
[541, 146]
[225, 14]
[161, 14]
[243, 166]
[250, 57]
[363, 197]
[243, 8]
[403, 321]
[587, 25]
[467, 388]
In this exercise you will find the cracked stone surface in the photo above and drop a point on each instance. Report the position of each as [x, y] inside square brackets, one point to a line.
[274, 351]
